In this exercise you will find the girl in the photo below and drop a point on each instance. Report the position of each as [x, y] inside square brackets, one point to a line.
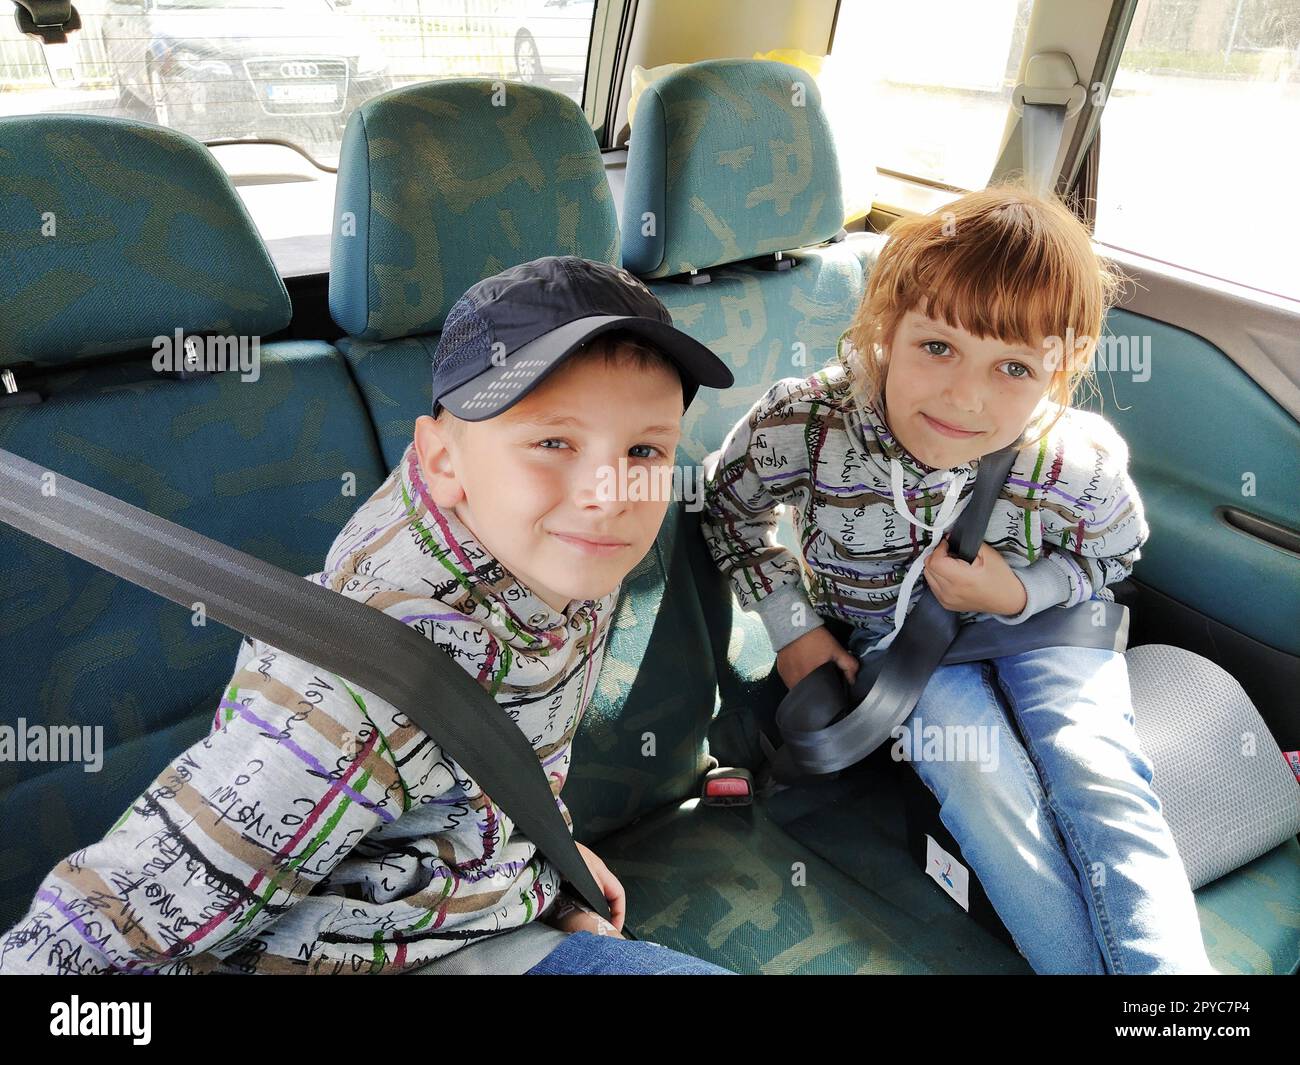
[978, 324]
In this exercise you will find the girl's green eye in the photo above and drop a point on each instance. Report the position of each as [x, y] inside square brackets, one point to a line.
[1027, 372]
[928, 344]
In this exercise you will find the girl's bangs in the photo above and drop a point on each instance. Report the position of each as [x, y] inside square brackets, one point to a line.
[1020, 294]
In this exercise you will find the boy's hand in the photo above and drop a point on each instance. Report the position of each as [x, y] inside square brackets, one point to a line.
[986, 585]
[609, 886]
[569, 916]
[800, 657]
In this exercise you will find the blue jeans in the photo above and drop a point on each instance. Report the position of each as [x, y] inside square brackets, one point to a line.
[1064, 831]
[587, 954]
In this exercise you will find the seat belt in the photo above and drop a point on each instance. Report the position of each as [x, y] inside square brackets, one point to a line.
[1042, 126]
[826, 727]
[360, 643]
[1049, 95]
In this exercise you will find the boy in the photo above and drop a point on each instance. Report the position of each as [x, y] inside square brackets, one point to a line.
[315, 829]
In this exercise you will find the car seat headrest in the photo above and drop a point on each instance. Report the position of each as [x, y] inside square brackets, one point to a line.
[115, 232]
[730, 159]
[445, 183]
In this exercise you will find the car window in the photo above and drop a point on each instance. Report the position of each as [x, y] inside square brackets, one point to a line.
[941, 74]
[1198, 140]
[291, 70]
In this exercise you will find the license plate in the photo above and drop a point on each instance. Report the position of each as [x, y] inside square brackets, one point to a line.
[302, 94]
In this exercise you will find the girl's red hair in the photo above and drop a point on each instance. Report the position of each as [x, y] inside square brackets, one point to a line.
[1001, 262]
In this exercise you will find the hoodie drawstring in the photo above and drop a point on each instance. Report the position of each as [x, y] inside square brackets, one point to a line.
[946, 516]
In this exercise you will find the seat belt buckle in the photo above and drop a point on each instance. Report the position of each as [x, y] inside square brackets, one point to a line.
[1293, 760]
[728, 787]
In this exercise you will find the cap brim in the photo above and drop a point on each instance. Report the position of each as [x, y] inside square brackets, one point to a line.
[501, 387]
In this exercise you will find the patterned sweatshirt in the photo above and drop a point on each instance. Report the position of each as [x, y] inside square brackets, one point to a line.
[315, 829]
[867, 513]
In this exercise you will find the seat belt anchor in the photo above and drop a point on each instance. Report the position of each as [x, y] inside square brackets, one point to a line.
[1050, 79]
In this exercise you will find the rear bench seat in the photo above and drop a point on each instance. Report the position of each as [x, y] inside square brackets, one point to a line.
[723, 884]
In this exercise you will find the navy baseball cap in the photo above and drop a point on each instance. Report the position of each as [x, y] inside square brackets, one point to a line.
[511, 330]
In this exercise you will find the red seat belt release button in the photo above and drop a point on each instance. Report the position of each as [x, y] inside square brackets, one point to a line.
[728, 787]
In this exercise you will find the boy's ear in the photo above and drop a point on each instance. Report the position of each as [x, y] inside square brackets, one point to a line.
[437, 462]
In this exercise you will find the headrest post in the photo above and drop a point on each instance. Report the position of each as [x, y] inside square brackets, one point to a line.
[11, 395]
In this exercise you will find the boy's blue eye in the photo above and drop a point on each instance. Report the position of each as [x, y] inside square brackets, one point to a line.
[928, 344]
[541, 445]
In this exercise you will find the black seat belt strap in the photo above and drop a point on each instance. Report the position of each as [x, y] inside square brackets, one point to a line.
[826, 728]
